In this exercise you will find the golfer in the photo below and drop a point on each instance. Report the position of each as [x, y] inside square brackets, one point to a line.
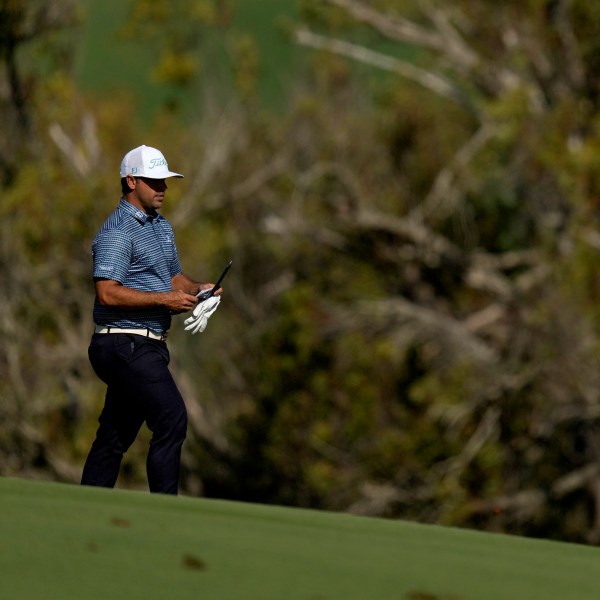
[139, 284]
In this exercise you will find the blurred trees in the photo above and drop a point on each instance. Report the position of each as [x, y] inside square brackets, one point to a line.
[32, 43]
[174, 30]
[410, 326]
[432, 346]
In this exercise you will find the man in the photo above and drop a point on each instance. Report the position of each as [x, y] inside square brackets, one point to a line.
[139, 284]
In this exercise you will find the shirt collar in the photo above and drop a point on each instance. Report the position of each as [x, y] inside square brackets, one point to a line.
[136, 213]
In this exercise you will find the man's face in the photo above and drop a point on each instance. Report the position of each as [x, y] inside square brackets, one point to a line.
[148, 194]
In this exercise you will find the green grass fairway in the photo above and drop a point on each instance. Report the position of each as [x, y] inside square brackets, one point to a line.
[63, 541]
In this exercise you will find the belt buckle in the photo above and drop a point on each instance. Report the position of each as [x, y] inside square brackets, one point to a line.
[160, 336]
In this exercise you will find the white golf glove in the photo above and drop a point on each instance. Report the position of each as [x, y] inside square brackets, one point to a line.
[197, 322]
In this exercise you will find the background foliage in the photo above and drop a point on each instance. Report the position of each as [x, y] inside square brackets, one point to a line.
[411, 326]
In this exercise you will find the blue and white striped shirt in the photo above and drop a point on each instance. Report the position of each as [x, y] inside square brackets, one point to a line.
[137, 250]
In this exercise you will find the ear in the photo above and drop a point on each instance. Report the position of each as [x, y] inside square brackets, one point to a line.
[131, 182]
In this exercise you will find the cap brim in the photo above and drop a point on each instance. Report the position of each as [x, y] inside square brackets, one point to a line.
[163, 175]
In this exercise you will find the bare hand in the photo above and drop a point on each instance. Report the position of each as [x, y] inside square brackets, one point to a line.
[179, 301]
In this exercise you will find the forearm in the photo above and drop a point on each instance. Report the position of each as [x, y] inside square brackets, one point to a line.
[184, 283]
[112, 293]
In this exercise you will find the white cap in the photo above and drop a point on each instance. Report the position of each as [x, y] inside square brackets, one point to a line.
[145, 161]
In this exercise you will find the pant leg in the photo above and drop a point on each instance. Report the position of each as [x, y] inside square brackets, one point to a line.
[121, 418]
[119, 426]
[165, 414]
[166, 418]
[141, 389]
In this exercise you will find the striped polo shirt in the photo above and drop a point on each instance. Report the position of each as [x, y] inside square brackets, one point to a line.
[137, 250]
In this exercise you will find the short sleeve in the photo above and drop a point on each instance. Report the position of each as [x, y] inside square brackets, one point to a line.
[112, 252]
[175, 266]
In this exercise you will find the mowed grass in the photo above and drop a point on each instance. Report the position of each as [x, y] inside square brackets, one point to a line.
[64, 541]
[107, 62]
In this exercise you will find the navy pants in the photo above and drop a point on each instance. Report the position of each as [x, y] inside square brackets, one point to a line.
[140, 389]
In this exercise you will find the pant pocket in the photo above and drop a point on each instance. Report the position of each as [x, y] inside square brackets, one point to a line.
[124, 346]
